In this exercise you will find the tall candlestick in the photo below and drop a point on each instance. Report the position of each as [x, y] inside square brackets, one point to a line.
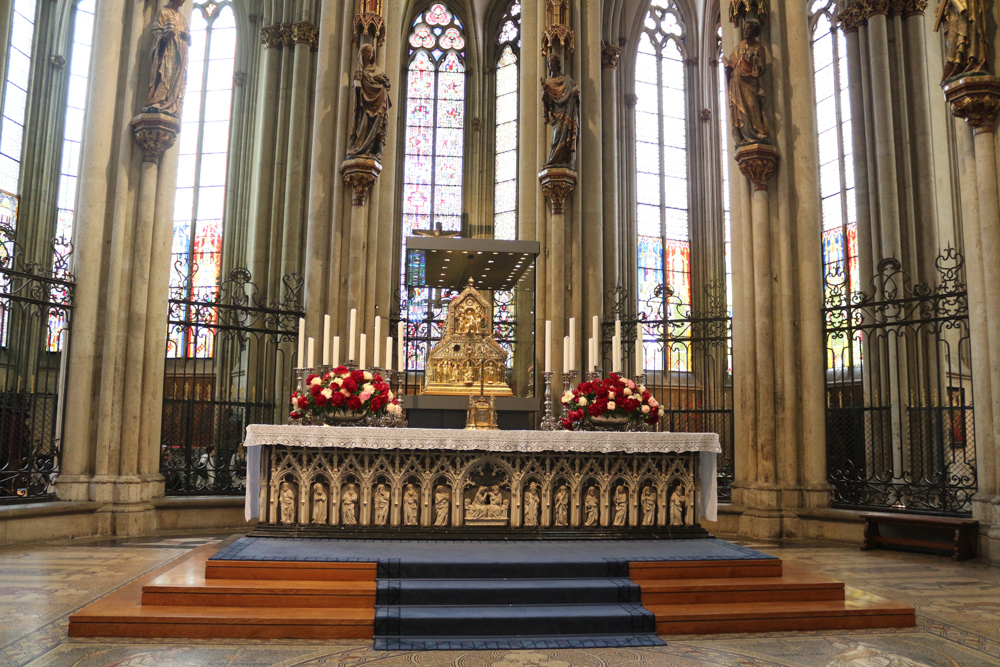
[326, 340]
[591, 354]
[302, 342]
[640, 355]
[616, 354]
[336, 351]
[375, 341]
[388, 353]
[354, 334]
[364, 350]
[548, 346]
[312, 346]
[572, 344]
[595, 329]
[400, 347]
[565, 354]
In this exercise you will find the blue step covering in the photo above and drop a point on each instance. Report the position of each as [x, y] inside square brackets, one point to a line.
[506, 591]
[514, 643]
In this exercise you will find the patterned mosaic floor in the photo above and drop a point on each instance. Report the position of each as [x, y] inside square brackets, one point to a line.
[958, 607]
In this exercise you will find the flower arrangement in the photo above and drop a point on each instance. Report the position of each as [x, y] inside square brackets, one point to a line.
[611, 398]
[342, 392]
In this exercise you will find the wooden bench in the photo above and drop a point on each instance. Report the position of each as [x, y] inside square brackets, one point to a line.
[961, 544]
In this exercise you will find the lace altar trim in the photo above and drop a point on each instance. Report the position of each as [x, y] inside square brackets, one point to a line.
[347, 437]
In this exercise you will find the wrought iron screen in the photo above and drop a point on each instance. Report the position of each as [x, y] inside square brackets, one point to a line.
[35, 305]
[899, 416]
[230, 362]
[688, 362]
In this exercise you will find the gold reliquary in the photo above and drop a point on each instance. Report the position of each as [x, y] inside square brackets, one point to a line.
[467, 360]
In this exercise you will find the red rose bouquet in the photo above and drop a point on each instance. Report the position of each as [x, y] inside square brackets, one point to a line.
[342, 391]
[609, 398]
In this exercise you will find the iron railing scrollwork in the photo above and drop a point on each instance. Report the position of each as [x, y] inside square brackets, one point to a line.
[899, 409]
[230, 361]
[35, 305]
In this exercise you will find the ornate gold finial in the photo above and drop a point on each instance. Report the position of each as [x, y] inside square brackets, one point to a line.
[740, 8]
[369, 21]
[609, 55]
[557, 27]
[758, 162]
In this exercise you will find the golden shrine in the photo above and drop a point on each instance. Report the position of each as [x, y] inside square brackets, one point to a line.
[467, 360]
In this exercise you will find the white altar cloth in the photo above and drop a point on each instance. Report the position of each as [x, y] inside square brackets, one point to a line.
[529, 442]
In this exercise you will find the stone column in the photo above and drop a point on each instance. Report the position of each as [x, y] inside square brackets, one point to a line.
[976, 98]
[609, 112]
[264, 155]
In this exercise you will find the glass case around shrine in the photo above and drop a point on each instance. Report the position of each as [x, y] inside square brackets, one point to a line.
[436, 270]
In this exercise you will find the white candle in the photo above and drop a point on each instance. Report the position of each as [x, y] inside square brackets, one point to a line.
[548, 346]
[616, 354]
[565, 354]
[595, 327]
[326, 340]
[388, 353]
[354, 334]
[336, 351]
[572, 343]
[618, 329]
[400, 347]
[375, 341]
[302, 342]
[591, 354]
[640, 355]
[312, 347]
[364, 350]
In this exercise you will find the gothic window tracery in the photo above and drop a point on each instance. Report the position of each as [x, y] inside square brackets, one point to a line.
[664, 253]
[203, 152]
[15, 94]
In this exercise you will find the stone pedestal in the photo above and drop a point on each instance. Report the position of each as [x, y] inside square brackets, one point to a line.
[360, 173]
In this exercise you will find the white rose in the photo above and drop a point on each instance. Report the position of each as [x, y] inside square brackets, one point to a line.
[327, 392]
[642, 389]
[367, 387]
[631, 384]
[391, 395]
[652, 402]
[611, 396]
[368, 376]
[582, 402]
[567, 397]
[662, 411]
[627, 392]
[645, 409]
[611, 405]
[336, 384]
[316, 380]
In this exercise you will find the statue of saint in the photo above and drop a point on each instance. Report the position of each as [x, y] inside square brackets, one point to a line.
[648, 502]
[561, 110]
[381, 503]
[168, 71]
[319, 510]
[621, 506]
[349, 506]
[410, 509]
[286, 500]
[590, 510]
[442, 499]
[531, 505]
[968, 43]
[371, 107]
[744, 71]
[678, 502]
[562, 506]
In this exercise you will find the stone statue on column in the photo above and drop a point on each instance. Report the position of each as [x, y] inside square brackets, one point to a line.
[168, 76]
[744, 72]
[561, 109]
[964, 23]
[371, 107]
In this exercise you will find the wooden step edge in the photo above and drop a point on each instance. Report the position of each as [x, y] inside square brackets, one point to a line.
[683, 564]
[773, 610]
[268, 616]
[202, 631]
[256, 587]
[728, 626]
[293, 564]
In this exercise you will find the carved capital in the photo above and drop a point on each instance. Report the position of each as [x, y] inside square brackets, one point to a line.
[558, 34]
[57, 62]
[758, 162]
[369, 23]
[976, 98]
[609, 55]
[239, 79]
[876, 7]
[631, 99]
[853, 16]
[897, 7]
[270, 37]
[558, 184]
[740, 8]
[360, 173]
[305, 32]
[287, 35]
[914, 7]
[154, 133]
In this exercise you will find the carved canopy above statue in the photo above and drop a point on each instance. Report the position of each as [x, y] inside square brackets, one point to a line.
[467, 359]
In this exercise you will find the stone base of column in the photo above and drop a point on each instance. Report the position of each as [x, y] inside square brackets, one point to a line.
[73, 487]
[987, 510]
[770, 510]
[127, 519]
[360, 173]
[558, 184]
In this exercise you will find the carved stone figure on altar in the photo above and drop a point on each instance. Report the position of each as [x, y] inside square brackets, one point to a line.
[532, 503]
[678, 505]
[382, 504]
[371, 107]
[561, 110]
[561, 503]
[487, 503]
[744, 73]
[411, 509]
[168, 75]
[319, 509]
[648, 502]
[590, 507]
[286, 501]
[442, 501]
[964, 22]
[621, 506]
[349, 506]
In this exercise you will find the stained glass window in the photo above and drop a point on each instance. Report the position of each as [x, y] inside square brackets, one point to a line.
[15, 93]
[833, 119]
[505, 194]
[433, 153]
[76, 99]
[203, 152]
[661, 182]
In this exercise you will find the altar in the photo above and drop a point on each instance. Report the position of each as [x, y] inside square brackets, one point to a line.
[341, 481]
